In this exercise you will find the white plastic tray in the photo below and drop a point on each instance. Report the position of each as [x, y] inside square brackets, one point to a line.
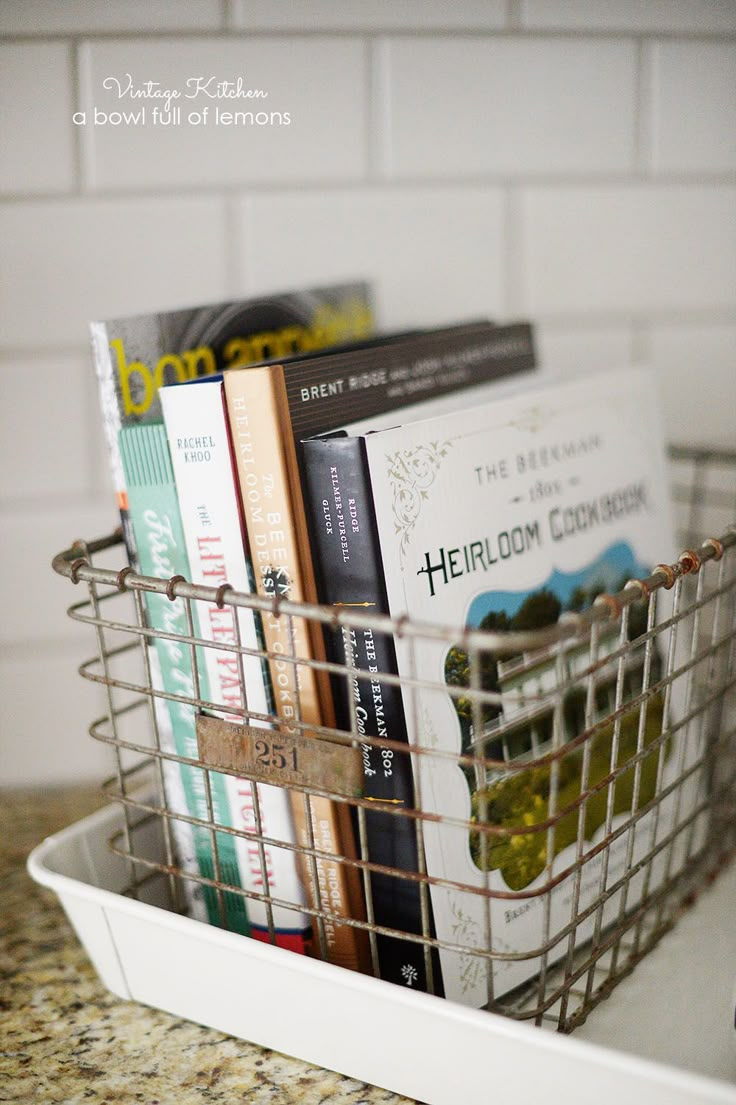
[411, 1043]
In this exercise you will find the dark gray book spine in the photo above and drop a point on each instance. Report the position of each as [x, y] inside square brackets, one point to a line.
[348, 565]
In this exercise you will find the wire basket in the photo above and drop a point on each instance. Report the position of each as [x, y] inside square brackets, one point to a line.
[615, 725]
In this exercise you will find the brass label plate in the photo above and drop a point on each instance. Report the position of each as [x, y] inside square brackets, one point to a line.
[283, 759]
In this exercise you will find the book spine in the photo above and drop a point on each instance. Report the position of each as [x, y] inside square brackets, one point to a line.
[198, 434]
[348, 565]
[192, 845]
[112, 423]
[160, 541]
[260, 442]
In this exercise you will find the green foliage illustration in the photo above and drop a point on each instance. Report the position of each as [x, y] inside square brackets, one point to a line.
[515, 796]
[522, 799]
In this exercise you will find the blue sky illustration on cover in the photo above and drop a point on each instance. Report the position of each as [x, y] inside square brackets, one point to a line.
[609, 572]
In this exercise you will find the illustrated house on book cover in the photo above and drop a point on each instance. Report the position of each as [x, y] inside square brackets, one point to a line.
[501, 517]
[523, 727]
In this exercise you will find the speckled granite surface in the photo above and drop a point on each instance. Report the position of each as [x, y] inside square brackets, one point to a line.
[65, 1039]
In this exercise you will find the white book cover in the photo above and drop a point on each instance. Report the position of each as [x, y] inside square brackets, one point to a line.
[198, 436]
[541, 499]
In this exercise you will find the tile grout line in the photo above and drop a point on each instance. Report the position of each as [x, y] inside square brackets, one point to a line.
[645, 136]
[515, 16]
[380, 164]
[558, 182]
[85, 102]
[508, 31]
[76, 100]
[231, 229]
[514, 261]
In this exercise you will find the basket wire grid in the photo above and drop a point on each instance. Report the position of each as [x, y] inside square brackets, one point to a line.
[634, 712]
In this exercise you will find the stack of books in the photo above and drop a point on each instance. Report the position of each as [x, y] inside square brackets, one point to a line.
[281, 447]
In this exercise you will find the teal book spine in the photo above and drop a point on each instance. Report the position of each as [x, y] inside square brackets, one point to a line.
[156, 524]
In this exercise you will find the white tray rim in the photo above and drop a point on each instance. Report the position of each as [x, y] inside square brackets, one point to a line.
[547, 1053]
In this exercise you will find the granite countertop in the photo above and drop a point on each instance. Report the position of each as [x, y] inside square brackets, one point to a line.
[65, 1038]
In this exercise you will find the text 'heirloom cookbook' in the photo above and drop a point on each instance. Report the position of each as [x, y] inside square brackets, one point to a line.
[502, 516]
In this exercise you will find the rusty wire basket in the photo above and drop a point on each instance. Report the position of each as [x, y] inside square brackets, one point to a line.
[627, 745]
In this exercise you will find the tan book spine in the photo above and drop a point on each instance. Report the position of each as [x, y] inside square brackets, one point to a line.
[261, 442]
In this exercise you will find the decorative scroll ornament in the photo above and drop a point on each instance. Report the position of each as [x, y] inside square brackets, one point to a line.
[411, 474]
[465, 930]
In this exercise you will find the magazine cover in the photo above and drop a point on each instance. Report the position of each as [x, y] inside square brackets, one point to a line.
[502, 517]
[134, 357]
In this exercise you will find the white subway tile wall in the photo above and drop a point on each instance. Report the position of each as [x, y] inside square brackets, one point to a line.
[368, 15]
[694, 125]
[75, 259]
[310, 127]
[434, 254]
[41, 17]
[34, 597]
[636, 16]
[696, 367]
[35, 107]
[479, 113]
[45, 399]
[631, 247]
[570, 160]
[567, 349]
[44, 727]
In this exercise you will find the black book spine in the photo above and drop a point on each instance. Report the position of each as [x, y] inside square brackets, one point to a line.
[348, 565]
